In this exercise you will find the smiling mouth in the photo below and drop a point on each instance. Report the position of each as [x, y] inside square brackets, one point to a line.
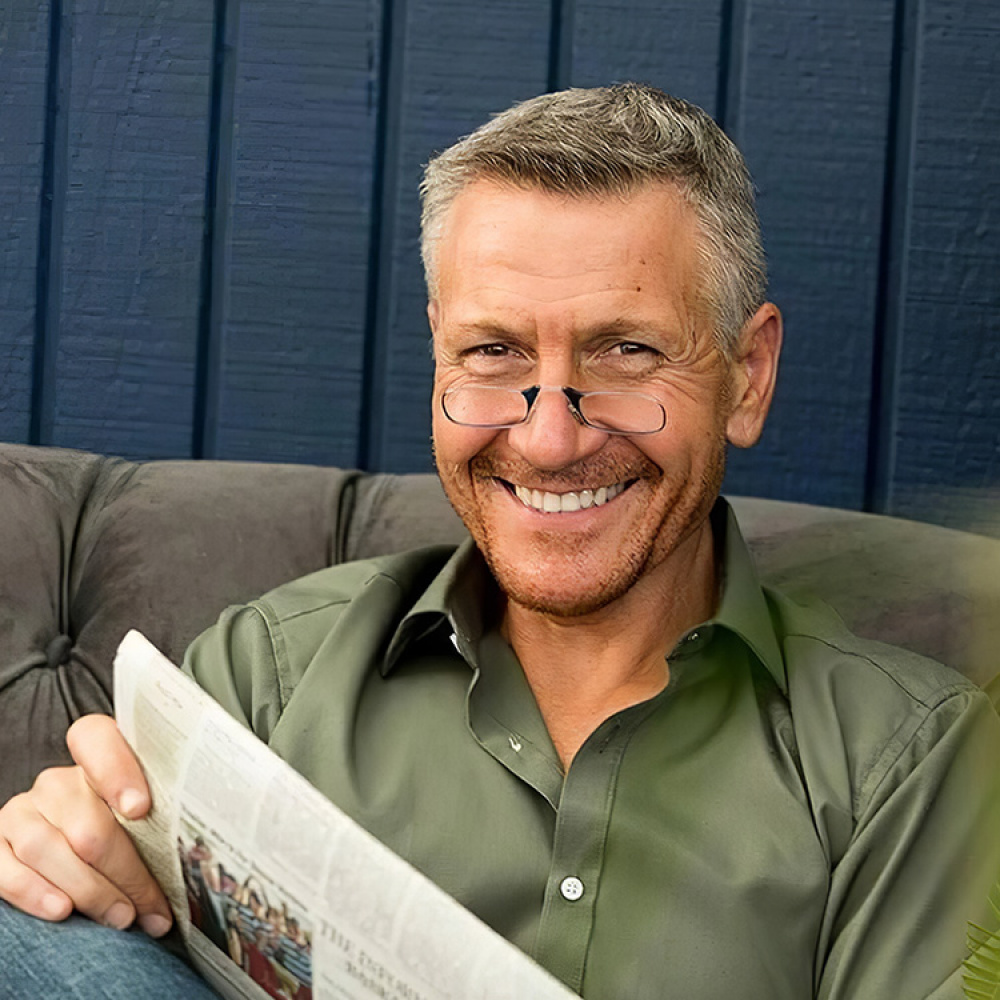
[560, 503]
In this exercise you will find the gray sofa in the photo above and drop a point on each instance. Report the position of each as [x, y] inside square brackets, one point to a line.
[92, 546]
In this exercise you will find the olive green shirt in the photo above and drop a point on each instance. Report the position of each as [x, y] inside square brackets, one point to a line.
[800, 813]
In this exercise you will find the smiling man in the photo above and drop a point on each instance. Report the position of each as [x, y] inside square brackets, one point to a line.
[590, 723]
[592, 533]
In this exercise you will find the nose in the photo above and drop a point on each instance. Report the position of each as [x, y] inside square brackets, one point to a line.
[552, 437]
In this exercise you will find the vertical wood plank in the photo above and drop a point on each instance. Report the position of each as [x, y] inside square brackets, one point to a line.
[947, 420]
[812, 113]
[137, 105]
[24, 36]
[214, 257]
[673, 45]
[292, 344]
[462, 63]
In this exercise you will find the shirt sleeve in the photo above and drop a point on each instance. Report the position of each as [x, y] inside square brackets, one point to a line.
[235, 662]
[921, 863]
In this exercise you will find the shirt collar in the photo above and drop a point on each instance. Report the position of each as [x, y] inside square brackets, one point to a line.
[457, 600]
[463, 594]
[743, 608]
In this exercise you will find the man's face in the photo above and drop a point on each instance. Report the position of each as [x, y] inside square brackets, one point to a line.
[593, 293]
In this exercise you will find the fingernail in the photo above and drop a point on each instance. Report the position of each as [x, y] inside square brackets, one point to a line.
[118, 915]
[131, 802]
[154, 924]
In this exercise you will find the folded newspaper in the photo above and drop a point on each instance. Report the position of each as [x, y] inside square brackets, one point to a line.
[277, 892]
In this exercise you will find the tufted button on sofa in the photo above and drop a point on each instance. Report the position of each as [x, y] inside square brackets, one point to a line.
[91, 546]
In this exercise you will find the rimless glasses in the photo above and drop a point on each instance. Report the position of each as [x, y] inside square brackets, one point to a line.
[612, 412]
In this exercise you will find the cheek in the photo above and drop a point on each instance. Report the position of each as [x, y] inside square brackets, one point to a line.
[688, 442]
[455, 446]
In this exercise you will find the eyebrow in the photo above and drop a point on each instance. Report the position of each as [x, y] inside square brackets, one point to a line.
[621, 327]
[484, 328]
[624, 327]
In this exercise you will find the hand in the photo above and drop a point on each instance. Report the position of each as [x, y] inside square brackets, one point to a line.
[61, 846]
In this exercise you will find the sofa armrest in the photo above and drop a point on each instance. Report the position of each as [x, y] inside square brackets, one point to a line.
[93, 546]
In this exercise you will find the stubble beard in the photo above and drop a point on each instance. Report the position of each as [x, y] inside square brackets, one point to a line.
[687, 505]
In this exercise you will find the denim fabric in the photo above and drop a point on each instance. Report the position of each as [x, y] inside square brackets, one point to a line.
[80, 960]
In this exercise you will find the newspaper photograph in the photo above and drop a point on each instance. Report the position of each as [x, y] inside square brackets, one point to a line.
[278, 893]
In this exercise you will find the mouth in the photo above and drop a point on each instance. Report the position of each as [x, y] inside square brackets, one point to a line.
[560, 503]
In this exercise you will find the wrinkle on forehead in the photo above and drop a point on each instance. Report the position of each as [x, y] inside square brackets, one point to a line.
[513, 248]
[516, 255]
[546, 290]
[492, 224]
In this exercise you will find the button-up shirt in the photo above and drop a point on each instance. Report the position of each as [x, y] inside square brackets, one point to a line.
[799, 813]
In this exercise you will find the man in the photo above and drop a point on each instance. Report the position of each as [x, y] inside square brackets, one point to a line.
[590, 724]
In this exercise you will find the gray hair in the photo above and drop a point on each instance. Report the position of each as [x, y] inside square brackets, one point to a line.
[613, 141]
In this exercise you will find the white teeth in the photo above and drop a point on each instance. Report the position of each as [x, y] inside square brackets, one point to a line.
[555, 503]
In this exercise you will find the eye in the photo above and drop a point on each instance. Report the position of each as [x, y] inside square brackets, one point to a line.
[631, 353]
[494, 359]
[490, 351]
[633, 349]
[625, 361]
[491, 354]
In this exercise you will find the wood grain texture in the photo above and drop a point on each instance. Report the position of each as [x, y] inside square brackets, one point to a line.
[24, 29]
[947, 442]
[811, 118]
[303, 142]
[875, 161]
[461, 65]
[138, 97]
[671, 45]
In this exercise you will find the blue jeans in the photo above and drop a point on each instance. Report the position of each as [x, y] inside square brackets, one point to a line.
[80, 960]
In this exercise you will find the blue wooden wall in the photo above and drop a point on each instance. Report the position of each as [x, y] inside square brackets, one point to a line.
[209, 220]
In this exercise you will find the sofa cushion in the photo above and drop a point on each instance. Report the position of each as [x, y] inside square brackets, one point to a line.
[94, 546]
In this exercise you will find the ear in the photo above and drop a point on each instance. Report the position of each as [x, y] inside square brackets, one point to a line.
[754, 370]
[433, 314]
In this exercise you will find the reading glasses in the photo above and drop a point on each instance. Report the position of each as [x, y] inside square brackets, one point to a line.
[612, 412]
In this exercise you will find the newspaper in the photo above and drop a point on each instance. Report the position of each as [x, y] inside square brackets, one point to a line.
[277, 892]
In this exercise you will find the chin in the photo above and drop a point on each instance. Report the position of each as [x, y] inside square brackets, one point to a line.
[559, 605]
[564, 584]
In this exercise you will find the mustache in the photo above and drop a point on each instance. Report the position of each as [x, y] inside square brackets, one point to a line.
[598, 470]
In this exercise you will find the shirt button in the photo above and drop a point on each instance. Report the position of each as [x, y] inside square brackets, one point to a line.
[571, 888]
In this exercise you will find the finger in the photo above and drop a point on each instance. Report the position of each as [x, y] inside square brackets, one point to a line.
[98, 746]
[40, 864]
[28, 891]
[112, 870]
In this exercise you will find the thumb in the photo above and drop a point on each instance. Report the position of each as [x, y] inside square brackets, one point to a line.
[110, 766]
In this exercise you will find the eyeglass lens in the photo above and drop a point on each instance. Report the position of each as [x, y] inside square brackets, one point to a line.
[614, 412]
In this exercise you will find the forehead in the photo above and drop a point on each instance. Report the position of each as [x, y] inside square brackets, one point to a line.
[534, 249]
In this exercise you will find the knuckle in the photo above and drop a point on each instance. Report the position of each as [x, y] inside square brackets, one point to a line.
[54, 782]
[13, 809]
[20, 887]
[32, 844]
[28, 834]
[88, 839]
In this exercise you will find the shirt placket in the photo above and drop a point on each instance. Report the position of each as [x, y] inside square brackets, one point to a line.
[584, 816]
[505, 720]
